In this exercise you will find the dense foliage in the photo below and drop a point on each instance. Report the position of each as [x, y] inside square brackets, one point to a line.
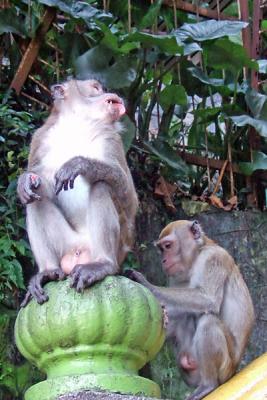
[185, 81]
[185, 90]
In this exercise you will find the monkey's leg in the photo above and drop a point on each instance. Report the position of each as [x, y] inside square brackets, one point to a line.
[49, 235]
[212, 348]
[104, 237]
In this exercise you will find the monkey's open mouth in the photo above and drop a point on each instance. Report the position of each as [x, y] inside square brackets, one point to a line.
[117, 106]
[114, 100]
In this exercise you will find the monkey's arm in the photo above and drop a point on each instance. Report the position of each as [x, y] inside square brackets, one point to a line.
[27, 183]
[94, 171]
[196, 300]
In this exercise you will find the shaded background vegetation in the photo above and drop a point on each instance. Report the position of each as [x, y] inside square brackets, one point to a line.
[186, 83]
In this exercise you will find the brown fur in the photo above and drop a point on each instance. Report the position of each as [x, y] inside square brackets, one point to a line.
[80, 145]
[210, 312]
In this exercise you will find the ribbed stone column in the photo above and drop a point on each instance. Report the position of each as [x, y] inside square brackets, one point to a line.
[95, 340]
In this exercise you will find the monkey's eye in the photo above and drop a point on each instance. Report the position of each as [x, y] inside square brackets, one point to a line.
[167, 246]
[97, 88]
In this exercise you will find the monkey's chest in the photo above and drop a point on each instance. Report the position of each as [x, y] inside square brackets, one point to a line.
[69, 139]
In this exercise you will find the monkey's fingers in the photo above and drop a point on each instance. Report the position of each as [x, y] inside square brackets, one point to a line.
[31, 196]
[165, 316]
[61, 184]
[58, 186]
[136, 276]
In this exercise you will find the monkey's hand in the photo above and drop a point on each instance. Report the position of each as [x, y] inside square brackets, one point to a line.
[35, 287]
[27, 182]
[136, 276]
[165, 318]
[69, 171]
[85, 275]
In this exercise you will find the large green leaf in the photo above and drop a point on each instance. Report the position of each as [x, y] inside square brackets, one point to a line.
[167, 154]
[199, 74]
[224, 54]
[9, 22]
[96, 62]
[128, 133]
[173, 94]
[262, 66]
[78, 9]
[225, 86]
[208, 114]
[208, 30]
[151, 16]
[166, 43]
[191, 48]
[72, 45]
[111, 40]
[259, 162]
[257, 104]
[259, 124]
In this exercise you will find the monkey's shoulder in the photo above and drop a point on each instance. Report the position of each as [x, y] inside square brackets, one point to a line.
[212, 253]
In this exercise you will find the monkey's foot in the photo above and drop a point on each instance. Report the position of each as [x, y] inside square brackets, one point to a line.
[85, 275]
[35, 287]
[201, 391]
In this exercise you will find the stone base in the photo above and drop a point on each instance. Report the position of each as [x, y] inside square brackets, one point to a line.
[51, 389]
[91, 395]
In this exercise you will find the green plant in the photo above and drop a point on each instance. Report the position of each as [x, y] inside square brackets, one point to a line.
[16, 126]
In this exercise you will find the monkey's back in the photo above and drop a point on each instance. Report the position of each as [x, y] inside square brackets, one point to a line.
[237, 309]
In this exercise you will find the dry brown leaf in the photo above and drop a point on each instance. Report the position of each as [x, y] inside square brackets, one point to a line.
[165, 190]
[215, 201]
[233, 201]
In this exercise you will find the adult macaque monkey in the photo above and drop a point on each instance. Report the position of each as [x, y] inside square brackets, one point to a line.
[210, 313]
[86, 229]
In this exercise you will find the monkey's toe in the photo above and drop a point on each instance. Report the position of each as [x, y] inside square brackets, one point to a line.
[129, 273]
[26, 299]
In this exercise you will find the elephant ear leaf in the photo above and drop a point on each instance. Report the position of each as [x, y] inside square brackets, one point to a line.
[166, 154]
[259, 124]
[259, 162]
[9, 23]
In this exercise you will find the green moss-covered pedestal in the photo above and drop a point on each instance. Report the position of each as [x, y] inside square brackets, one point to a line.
[95, 340]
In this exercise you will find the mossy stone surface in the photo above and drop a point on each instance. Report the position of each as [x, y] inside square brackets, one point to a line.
[96, 339]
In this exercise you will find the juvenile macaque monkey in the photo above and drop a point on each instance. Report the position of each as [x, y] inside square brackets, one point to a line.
[210, 313]
[80, 197]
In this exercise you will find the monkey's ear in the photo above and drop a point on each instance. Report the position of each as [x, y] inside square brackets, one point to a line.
[58, 92]
[196, 230]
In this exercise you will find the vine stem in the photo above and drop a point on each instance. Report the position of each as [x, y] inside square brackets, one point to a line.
[231, 168]
[129, 16]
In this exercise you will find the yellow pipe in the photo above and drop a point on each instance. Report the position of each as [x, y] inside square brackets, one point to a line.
[248, 384]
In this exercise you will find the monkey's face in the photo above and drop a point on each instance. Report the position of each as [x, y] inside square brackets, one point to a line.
[89, 88]
[87, 98]
[179, 242]
[171, 255]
